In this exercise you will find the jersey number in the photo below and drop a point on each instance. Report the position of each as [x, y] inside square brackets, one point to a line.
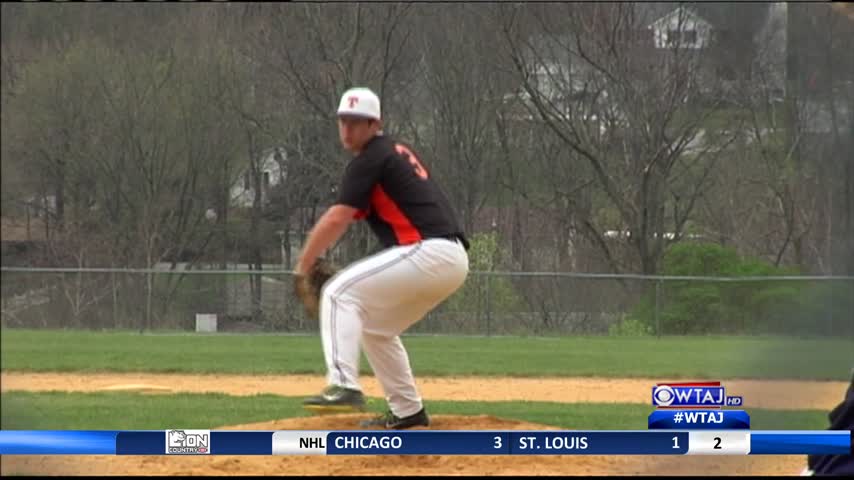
[419, 169]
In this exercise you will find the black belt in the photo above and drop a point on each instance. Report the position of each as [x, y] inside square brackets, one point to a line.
[456, 238]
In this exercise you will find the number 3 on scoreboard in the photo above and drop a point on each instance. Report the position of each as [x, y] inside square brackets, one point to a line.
[497, 442]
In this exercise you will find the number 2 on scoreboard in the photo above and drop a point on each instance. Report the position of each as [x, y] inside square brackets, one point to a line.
[497, 442]
[675, 442]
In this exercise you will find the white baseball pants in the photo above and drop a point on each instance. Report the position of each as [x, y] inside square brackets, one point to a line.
[376, 299]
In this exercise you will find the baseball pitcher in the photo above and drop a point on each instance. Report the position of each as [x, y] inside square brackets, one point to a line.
[371, 302]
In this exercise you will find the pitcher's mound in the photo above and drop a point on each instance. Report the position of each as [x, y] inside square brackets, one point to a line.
[350, 421]
[398, 464]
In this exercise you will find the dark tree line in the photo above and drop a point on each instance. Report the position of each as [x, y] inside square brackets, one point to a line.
[564, 129]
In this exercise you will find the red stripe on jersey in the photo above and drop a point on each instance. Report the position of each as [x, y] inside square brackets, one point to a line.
[360, 214]
[388, 210]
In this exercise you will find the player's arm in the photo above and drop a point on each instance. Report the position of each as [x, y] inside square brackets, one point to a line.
[354, 198]
[331, 226]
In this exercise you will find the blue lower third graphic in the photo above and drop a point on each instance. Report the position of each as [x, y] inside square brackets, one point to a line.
[822, 442]
[58, 442]
[699, 420]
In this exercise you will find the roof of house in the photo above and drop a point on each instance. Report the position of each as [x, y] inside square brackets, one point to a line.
[743, 16]
[689, 13]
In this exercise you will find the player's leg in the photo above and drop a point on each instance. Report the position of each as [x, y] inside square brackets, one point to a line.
[414, 288]
[340, 332]
[434, 271]
[341, 318]
[390, 363]
[389, 359]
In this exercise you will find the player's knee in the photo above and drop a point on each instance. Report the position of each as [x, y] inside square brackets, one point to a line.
[331, 293]
[326, 293]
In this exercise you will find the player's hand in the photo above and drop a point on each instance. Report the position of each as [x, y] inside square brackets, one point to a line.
[307, 286]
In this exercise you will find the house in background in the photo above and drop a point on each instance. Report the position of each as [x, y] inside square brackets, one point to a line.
[681, 28]
[732, 42]
[273, 172]
[567, 79]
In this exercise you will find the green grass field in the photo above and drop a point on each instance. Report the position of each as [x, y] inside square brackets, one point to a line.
[125, 411]
[668, 357]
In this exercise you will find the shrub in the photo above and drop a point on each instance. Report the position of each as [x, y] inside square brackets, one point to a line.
[630, 327]
[484, 255]
[698, 307]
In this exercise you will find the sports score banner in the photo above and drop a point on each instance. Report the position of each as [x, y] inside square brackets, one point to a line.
[425, 442]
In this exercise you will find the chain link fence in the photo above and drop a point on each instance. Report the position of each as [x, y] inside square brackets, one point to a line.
[490, 303]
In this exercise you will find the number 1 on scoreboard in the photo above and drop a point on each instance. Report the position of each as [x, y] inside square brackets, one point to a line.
[676, 442]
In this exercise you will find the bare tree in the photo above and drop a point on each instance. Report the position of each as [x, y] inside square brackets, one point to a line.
[464, 95]
[797, 134]
[347, 46]
[832, 36]
[630, 110]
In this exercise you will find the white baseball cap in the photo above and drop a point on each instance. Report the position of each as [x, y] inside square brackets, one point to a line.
[360, 102]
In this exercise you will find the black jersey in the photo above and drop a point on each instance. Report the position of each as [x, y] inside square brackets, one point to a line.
[397, 196]
[841, 418]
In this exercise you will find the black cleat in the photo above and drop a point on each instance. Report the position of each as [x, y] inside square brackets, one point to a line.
[391, 421]
[335, 399]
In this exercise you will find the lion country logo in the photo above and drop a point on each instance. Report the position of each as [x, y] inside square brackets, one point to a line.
[188, 442]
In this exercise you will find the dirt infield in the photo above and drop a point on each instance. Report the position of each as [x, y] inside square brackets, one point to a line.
[770, 394]
[400, 464]
[757, 394]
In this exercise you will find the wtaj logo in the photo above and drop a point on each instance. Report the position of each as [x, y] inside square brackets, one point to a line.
[188, 442]
[693, 395]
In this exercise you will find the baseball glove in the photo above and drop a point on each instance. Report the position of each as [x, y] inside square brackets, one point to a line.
[308, 287]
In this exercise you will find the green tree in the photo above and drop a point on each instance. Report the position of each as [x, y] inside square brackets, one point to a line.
[483, 295]
[731, 307]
